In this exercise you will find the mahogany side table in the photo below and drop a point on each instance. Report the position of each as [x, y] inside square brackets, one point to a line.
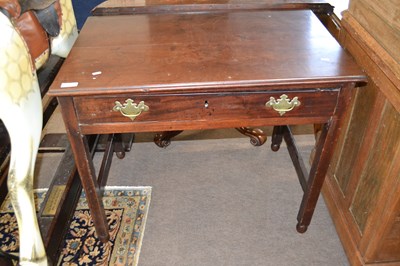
[185, 71]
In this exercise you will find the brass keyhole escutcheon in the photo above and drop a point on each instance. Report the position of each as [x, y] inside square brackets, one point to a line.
[130, 109]
[283, 104]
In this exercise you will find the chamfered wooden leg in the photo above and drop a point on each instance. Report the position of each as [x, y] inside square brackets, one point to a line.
[319, 168]
[84, 164]
[323, 153]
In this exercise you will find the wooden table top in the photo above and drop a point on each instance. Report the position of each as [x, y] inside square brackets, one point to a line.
[207, 51]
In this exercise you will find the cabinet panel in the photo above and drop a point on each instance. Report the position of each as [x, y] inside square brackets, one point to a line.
[377, 167]
[388, 248]
[362, 190]
[379, 18]
[363, 108]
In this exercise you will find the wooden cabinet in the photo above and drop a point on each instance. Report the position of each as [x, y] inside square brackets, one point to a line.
[362, 189]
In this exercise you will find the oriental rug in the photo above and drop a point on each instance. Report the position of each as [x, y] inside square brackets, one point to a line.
[126, 210]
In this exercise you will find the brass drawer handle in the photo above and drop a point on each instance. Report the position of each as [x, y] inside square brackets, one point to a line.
[130, 109]
[283, 104]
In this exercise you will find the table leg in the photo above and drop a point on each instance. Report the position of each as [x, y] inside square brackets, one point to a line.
[84, 164]
[319, 168]
[323, 153]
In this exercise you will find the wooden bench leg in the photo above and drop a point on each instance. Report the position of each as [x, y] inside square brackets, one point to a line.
[163, 139]
[297, 160]
[257, 136]
[119, 147]
[276, 139]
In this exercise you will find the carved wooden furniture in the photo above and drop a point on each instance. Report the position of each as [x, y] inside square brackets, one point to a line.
[205, 70]
[363, 189]
[129, 7]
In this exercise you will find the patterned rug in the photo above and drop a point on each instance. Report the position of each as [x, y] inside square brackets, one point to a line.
[126, 210]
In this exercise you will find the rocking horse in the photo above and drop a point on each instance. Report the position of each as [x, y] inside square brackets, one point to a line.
[31, 30]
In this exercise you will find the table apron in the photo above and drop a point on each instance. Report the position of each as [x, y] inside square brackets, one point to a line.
[97, 114]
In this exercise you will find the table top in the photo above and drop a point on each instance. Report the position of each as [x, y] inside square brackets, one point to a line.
[202, 51]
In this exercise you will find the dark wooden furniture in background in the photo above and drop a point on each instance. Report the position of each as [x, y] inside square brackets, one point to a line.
[124, 7]
[322, 9]
[362, 188]
[200, 71]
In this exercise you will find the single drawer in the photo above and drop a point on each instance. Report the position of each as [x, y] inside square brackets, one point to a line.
[207, 107]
